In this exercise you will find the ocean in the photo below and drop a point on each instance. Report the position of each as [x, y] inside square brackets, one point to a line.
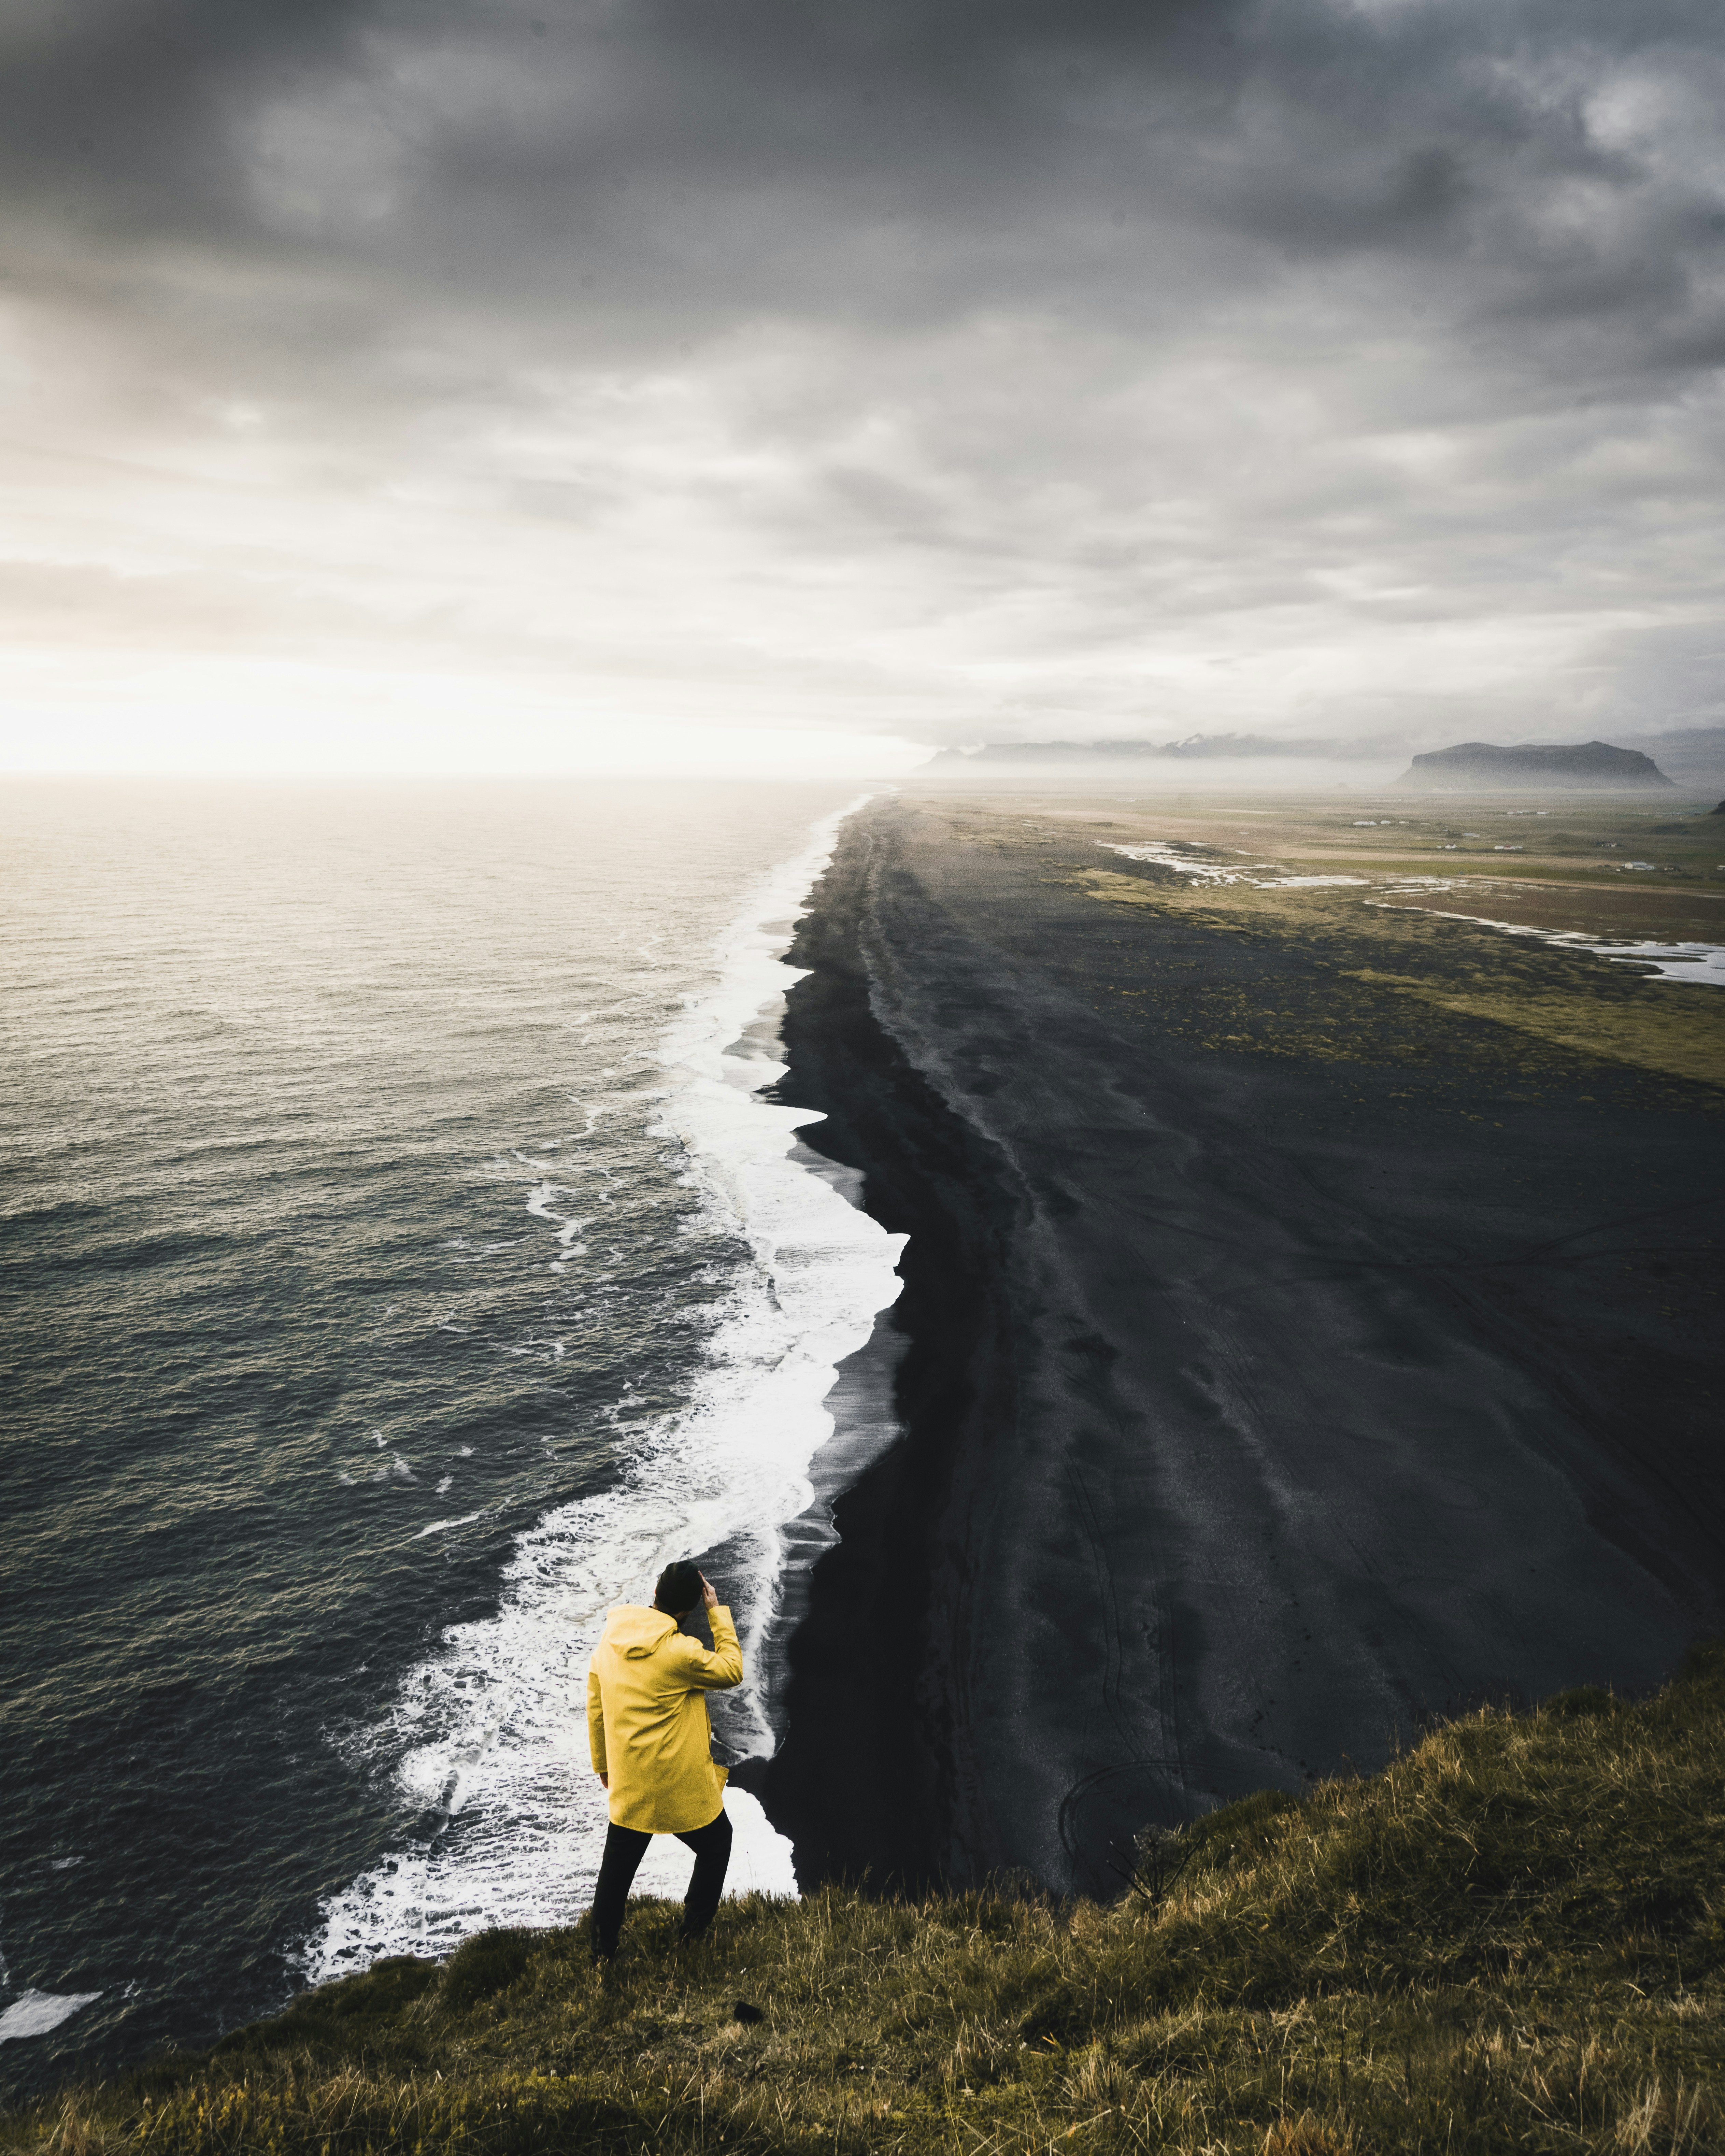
[400, 1268]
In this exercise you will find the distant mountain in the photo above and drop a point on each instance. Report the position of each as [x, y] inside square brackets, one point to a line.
[1196, 748]
[994, 754]
[1533, 763]
[1692, 756]
[1200, 746]
[1689, 756]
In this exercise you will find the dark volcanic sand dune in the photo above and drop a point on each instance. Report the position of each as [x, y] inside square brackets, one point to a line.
[1254, 1407]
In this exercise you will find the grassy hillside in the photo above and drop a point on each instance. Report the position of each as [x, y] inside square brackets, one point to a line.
[1513, 1938]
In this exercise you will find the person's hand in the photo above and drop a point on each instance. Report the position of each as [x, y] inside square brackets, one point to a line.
[604, 1781]
[709, 1600]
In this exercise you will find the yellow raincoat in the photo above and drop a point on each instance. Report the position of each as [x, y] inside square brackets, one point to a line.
[647, 1721]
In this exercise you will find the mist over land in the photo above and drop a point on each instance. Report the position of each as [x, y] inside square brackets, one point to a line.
[1254, 761]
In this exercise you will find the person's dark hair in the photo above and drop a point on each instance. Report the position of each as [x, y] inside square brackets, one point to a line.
[679, 1589]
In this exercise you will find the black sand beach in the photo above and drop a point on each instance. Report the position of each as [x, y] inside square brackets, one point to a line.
[1288, 1357]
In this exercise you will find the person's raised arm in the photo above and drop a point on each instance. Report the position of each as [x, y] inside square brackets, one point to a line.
[722, 1668]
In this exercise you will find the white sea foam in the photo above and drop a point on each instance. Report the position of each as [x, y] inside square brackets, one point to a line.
[490, 1730]
[442, 1526]
[34, 2012]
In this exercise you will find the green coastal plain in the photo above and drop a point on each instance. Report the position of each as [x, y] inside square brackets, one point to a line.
[1415, 938]
[1513, 1937]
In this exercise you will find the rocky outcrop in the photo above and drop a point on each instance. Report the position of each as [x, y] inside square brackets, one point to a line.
[1483, 765]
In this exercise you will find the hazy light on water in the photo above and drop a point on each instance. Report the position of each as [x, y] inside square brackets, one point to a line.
[293, 1367]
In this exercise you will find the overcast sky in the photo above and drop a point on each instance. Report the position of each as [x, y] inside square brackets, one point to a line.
[426, 383]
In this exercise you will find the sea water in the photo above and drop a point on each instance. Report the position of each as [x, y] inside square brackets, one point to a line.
[401, 1267]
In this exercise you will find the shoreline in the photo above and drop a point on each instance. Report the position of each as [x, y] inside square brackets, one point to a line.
[512, 1831]
[1216, 1473]
[922, 1177]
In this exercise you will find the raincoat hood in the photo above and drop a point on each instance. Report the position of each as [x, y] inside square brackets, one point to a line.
[635, 1632]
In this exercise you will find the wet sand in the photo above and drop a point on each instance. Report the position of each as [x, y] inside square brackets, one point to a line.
[1260, 1398]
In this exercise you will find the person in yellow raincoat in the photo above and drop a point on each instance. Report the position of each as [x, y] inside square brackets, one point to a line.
[652, 1745]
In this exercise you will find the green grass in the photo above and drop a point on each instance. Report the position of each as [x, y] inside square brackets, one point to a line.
[1513, 1938]
[1395, 981]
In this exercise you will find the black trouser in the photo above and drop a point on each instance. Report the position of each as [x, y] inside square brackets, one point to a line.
[624, 1848]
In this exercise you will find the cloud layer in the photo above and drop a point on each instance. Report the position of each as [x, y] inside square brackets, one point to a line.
[1006, 371]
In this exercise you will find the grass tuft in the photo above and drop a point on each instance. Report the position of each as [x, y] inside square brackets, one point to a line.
[1512, 1937]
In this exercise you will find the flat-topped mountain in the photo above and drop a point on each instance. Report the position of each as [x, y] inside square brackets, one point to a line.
[1533, 763]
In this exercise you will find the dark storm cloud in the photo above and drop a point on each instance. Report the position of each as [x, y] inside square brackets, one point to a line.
[695, 160]
[1044, 328]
